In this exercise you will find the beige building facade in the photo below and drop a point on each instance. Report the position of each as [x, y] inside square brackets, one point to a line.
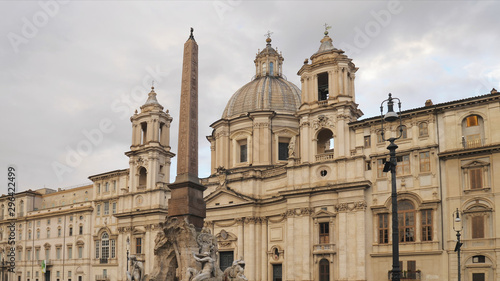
[297, 188]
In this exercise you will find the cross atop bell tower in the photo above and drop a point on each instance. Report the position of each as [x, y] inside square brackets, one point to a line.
[187, 193]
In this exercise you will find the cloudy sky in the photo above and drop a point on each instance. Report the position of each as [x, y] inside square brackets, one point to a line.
[73, 71]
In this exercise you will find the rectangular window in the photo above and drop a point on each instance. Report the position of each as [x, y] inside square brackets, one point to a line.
[113, 248]
[98, 188]
[243, 153]
[472, 121]
[70, 252]
[114, 207]
[98, 210]
[106, 187]
[476, 178]
[283, 151]
[406, 221]
[226, 259]
[28, 255]
[427, 225]
[403, 167]
[411, 269]
[138, 245]
[380, 139]
[114, 185]
[47, 254]
[368, 141]
[37, 254]
[69, 273]
[80, 252]
[422, 129]
[48, 221]
[70, 231]
[478, 227]
[368, 165]
[324, 233]
[425, 163]
[106, 208]
[80, 230]
[478, 277]
[380, 168]
[70, 218]
[58, 232]
[383, 228]
[58, 253]
[96, 249]
[48, 233]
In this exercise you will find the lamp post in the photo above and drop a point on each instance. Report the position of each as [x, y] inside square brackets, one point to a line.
[457, 226]
[128, 249]
[392, 116]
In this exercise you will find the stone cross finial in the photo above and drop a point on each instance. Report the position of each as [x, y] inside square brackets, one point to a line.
[268, 34]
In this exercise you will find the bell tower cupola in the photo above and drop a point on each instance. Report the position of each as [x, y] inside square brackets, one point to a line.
[328, 77]
[149, 155]
[268, 62]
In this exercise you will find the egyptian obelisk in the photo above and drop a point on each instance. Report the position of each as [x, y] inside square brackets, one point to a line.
[187, 193]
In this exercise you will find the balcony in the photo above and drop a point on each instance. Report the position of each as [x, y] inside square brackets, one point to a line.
[324, 156]
[101, 278]
[407, 275]
[473, 141]
[323, 248]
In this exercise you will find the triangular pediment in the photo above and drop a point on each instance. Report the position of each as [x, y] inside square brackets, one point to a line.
[227, 197]
[475, 163]
[323, 214]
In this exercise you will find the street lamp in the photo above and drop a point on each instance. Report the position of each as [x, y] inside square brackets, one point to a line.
[128, 249]
[392, 116]
[458, 226]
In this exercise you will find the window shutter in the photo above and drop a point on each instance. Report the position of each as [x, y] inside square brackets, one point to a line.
[477, 227]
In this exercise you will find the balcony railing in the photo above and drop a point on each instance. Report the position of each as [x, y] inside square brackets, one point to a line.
[324, 248]
[472, 142]
[407, 275]
[324, 156]
[101, 278]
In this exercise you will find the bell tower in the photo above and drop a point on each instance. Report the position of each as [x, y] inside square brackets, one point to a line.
[329, 78]
[328, 103]
[150, 150]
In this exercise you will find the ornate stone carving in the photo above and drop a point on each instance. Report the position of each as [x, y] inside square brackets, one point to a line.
[236, 271]
[136, 270]
[222, 176]
[322, 122]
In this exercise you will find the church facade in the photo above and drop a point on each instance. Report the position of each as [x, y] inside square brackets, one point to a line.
[297, 188]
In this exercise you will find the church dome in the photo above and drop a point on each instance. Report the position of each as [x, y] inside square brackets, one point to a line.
[264, 93]
[269, 91]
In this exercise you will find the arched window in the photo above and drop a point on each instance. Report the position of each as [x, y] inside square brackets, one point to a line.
[142, 177]
[105, 248]
[271, 68]
[325, 141]
[406, 221]
[323, 93]
[472, 131]
[144, 128]
[104, 245]
[324, 270]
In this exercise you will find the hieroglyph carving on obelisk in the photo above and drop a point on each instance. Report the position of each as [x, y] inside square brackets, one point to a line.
[187, 157]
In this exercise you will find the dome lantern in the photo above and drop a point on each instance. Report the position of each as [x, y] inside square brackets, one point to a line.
[268, 62]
